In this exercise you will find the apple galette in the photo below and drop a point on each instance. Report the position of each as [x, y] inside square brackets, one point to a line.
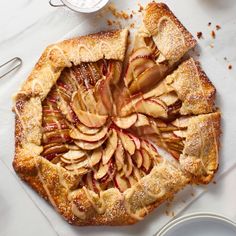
[89, 129]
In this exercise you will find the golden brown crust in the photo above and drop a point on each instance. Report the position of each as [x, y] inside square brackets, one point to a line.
[194, 89]
[91, 48]
[201, 152]
[171, 37]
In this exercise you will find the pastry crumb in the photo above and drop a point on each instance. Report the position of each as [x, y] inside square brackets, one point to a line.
[140, 8]
[192, 194]
[172, 213]
[214, 182]
[209, 23]
[230, 67]
[225, 58]
[109, 22]
[213, 34]
[118, 14]
[218, 27]
[199, 35]
[212, 45]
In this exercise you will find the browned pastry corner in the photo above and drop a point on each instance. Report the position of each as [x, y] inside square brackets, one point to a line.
[87, 133]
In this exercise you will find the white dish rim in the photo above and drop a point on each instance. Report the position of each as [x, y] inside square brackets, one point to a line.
[191, 216]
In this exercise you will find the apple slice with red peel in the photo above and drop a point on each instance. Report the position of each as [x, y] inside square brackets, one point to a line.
[103, 93]
[127, 142]
[147, 79]
[125, 122]
[138, 158]
[151, 108]
[146, 160]
[88, 119]
[149, 147]
[89, 145]
[96, 157]
[128, 167]
[129, 76]
[121, 183]
[102, 171]
[140, 52]
[54, 148]
[72, 147]
[142, 120]
[136, 140]
[89, 101]
[129, 107]
[76, 134]
[119, 156]
[84, 129]
[110, 148]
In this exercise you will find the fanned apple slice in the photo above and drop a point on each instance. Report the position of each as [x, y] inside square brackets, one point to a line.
[110, 148]
[127, 142]
[102, 171]
[119, 156]
[141, 64]
[72, 147]
[152, 108]
[180, 133]
[136, 173]
[142, 120]
[54, 148]
[181, 122]
[132, 180]
[89, 145]
[169, 98]
[128, 167]
[76, 166]
[121, 183]
[136, 140]
[84, 129]
[149, 147]
[129, 107]
[74, 155]
[146, 160]
[80, 171]
[96, 157]
[125, 122]
[89, 101]
[138, 158]
[147, 79]
[76, 134]
[88, 119]
[140, 52]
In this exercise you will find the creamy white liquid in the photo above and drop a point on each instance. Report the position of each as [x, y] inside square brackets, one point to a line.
[85, 3]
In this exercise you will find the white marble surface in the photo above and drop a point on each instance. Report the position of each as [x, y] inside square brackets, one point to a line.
[28, 26]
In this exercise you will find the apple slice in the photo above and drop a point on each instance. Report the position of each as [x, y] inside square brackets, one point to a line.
[88, 119]
[103, 92]
[152, 108]
[146, 160]
[54, 148]
[127, 142]
[129, 107]
[132, 180]
[169, 98]
[76, 134]
[181, 122]
[119, 156]
[72, 147]
[125, 122]
[89, 145]
[76, 166]
[96, 157]
[140, 52]
[110, 148]
[147, 79]
[129, 77]
[142, 120]
[150, 149]
[180, 133]
[121, 183]
[136, 173]
[136, 140]
[102, 171]
[74, 155]
[138, 158]
[89, 100]
[84, 129]
[128, 167]
[141, 64]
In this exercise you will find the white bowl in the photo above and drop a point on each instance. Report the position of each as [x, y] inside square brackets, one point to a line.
[77, 8]
[199, 224]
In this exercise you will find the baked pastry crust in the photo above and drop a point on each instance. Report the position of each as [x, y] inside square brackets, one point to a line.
[198, 161]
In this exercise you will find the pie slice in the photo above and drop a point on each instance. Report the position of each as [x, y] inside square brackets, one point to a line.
[87, 137]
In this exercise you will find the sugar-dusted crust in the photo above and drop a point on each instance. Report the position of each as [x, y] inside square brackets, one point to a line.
[194, 89]
[172, 39]
[201, 150]
[91, 48]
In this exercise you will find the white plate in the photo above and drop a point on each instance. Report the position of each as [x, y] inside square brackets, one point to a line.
[200, 224]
